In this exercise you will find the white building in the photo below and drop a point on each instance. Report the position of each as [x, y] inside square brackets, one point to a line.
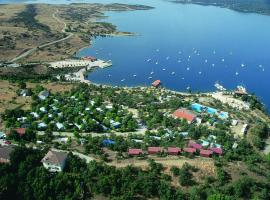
[54, 161]
[43, 95]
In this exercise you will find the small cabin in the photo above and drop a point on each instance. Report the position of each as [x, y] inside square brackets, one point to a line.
[154, 150]
[173, 150]
[135, 152]
[206, 153]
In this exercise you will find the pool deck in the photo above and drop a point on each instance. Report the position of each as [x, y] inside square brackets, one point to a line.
[201, 108]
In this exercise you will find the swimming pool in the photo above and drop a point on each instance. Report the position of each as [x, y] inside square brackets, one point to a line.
[200, 108]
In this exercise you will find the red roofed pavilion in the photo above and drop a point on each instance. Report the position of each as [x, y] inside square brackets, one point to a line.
[216, 150]
[135, 152]
[20, 131]
[194, 145]
[174, 150]
[156, 83]
[154, 150]
[189, 150]
[185, 114]
[206, 153]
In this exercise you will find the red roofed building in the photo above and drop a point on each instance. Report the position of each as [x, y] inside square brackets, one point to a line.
[216, 150]
[185, 114]
[20, 131]
[156, 83]
[90, 58]
[194, 145]
[189, 150]
[154, 150]
[240, 92]
[206, 153]
[174, 150]
[135, 152]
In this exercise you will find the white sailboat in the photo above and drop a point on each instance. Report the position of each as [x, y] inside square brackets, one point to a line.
[219, 87]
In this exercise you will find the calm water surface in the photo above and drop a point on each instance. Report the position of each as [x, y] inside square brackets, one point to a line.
[189, 46]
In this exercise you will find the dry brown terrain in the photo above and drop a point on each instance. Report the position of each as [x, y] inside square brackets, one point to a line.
[10, 100]
[206, 166]
[75, 22]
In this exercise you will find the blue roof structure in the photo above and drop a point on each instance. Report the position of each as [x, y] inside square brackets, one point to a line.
[108, 142]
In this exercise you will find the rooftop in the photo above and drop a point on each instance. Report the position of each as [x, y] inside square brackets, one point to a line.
[55, 157]
[183, 113]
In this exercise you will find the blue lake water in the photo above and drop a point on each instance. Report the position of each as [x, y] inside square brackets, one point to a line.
[189, 46]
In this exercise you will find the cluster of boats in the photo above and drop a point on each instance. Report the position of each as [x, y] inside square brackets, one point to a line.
[196, 52]
[239, 88]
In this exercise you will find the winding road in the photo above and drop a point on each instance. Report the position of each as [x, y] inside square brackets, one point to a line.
[30, 51]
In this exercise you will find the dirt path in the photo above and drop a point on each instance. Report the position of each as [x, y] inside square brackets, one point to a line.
[30, 51]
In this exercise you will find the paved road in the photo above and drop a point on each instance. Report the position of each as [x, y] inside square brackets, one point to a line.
[70, 134]
[30, 51]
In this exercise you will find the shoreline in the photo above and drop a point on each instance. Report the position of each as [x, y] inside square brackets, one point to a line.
[219, 95]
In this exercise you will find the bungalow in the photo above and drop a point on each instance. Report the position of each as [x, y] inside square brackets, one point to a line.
[42, 125]
[173, 150]
[54, 161]
[43, 109]
[115, 124]
[20, 131]
[156, 83]
[183, 113]
[25, 92]
[234, 122]
[99, 109]
[244, 129]
[216, 150]
[109, 107]
[194, 145]
[108, 142]
[5, 152]
[2, 135]
[35, 115]
[189, 150]
[184, 134]
[135, 152]
[155, 137]
[206, 153]
[154, 150]
[204, 143]
[22, 119]
[43, 95]
[59, 126]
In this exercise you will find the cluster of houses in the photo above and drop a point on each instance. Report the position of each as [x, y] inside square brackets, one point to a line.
[53, 112]
[192, 148]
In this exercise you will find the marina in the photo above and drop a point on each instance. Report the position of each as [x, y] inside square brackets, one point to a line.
[188, 62]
